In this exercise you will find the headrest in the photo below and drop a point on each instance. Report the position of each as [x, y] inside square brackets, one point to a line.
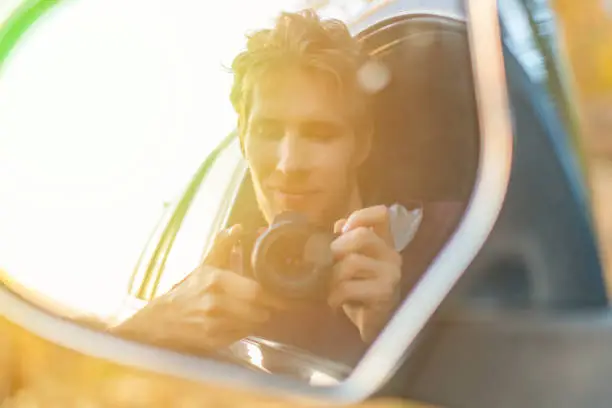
[426, 129]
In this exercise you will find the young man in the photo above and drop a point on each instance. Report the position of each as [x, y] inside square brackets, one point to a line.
[304, 133]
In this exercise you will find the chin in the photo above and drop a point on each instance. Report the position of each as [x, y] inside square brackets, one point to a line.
[312, 216]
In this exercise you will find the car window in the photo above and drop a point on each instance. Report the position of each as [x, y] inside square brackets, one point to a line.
[531, 34]
[204, 216]
[530, 31]
[95, 145]
[520, 38]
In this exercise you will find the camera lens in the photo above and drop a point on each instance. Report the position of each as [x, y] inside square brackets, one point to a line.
[293, 260]
[287, 254]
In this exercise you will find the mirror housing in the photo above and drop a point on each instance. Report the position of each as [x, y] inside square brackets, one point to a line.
[395, 342]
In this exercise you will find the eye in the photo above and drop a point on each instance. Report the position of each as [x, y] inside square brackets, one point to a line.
[267, 130]
[322, 133]
[322, 136]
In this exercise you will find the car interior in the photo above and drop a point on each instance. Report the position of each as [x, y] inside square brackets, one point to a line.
[426, 141]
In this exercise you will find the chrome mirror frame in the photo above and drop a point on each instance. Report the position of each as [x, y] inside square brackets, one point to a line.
[392, 346]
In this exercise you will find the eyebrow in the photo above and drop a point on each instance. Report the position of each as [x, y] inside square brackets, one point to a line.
[309, 123]
[263, 119]
[322, 124]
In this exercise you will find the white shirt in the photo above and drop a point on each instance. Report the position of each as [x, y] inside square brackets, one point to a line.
[404, 224]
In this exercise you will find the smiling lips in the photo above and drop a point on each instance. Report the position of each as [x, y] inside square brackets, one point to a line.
[293, 199]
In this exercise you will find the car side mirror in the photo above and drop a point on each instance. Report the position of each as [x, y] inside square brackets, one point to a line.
[116, 363]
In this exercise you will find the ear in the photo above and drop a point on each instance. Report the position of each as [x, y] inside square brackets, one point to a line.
[241, 133]
[241, 139]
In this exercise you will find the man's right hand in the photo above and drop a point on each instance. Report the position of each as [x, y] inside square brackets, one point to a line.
[210, 309]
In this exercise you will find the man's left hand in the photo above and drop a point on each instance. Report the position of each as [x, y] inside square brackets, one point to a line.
[366, 280]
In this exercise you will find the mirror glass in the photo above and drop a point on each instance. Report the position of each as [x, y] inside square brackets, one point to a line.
[278, 229]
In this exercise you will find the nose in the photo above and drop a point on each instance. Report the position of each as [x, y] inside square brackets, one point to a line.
[292, 154]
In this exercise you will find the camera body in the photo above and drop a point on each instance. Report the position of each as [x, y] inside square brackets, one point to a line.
[291, 258]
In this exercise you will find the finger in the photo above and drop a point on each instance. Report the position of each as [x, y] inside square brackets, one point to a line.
[195, 333]
[363, 292]
[339, 225]
[224, 243]
[240, 287]
[270, 301]
[355, 266]
[239, 311]
[208, 326]
[364, 241]
[376, 217]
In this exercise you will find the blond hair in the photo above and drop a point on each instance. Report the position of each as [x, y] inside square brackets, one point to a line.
[301, 40]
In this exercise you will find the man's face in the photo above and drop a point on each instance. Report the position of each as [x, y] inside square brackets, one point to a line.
[301, 148]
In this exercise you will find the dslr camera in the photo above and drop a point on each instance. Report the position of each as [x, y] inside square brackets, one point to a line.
[291, 258]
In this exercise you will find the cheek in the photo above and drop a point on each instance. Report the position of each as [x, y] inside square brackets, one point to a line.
[261, 158]
[336, 160]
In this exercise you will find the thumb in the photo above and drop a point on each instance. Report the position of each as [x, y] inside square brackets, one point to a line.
[219, 254]
[339, 225]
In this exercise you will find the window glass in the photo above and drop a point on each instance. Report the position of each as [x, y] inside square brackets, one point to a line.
[531, 35]
[520, 38]
[211, 202]
[132, 97]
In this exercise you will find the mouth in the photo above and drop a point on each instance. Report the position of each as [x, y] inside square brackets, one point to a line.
[291, 198]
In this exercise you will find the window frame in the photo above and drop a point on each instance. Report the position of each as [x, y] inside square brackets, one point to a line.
[152, 261]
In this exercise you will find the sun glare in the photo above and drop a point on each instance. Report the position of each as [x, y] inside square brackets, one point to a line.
[106, 109]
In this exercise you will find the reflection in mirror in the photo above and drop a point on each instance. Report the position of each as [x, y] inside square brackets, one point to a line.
[300, 229]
